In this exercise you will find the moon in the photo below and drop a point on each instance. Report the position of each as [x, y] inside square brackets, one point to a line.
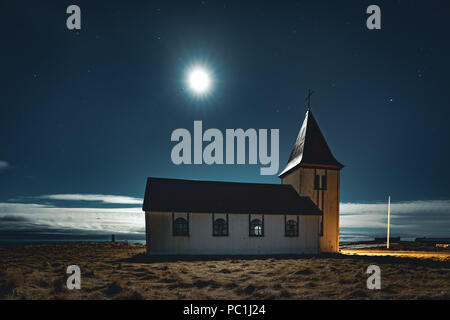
[199, 80]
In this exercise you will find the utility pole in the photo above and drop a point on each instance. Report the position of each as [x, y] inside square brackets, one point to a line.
[389, 220]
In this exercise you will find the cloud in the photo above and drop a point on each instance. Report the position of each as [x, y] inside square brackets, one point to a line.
[4, 165]
[94, 197]
[43, 219]
[409, 219]
[397, 207]
[11, 218]
[26, 216]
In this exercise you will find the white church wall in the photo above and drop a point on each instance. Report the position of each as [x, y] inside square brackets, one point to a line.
[201, 240]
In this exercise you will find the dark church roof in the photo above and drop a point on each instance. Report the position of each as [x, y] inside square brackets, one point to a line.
[310, 148]
[174, 195]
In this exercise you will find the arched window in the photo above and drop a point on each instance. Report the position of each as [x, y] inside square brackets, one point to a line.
[291, 228]
[256, 228]
[180, 227]
[220, 227]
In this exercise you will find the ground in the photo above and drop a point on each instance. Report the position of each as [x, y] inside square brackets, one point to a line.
[122, 271]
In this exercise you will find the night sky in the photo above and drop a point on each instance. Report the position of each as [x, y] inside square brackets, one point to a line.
[91, 111]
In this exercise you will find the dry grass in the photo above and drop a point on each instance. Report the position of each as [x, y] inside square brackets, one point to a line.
[121, 271]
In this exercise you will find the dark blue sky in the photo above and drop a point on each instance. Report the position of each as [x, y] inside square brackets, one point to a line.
[92, 111]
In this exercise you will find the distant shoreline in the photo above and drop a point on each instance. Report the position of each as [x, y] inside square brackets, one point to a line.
[409, 244]
[62, 241]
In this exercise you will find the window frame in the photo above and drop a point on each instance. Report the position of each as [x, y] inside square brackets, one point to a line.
[250, 229]
[321, 226]
[316, 181]
[324, 182]
[175, 232]
[320, 180]
[226, 234]
[296, 234]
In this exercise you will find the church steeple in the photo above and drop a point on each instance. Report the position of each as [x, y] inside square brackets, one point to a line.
[310, 148]
[313, 171]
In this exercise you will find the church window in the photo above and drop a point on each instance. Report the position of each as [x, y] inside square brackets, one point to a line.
[256, 228]
[291, 228]
[318, 179]
[180, 227]
[316, 182]
[220, 227]
[321, 227]
[324, 182]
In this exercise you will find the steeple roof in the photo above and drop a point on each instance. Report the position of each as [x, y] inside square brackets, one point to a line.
[310, 148]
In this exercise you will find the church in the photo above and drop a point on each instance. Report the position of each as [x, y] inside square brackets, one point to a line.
[298, 216]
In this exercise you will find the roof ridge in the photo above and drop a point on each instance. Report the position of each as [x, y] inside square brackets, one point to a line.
[216, 181]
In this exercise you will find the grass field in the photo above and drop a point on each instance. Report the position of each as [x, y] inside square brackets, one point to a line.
[122, 271]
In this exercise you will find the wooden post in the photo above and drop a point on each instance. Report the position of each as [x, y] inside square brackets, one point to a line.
[389, 219]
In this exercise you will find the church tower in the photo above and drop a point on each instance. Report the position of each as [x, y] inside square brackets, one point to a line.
[313, 171]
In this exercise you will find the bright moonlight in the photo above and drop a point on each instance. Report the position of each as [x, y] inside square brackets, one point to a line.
[199, 80]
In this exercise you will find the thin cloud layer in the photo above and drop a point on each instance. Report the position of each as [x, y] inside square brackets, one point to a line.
[101, 220]
[93, 197]
[409, 219]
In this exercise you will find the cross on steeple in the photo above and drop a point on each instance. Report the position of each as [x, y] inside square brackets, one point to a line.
[308, 98]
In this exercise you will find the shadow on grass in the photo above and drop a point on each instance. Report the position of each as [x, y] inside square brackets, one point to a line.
[411, 262]
[143, 258]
